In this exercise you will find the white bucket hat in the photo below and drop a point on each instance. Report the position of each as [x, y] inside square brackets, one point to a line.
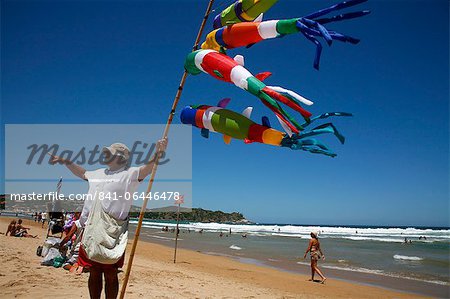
[118, 149]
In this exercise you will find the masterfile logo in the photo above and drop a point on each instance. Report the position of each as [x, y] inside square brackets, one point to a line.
[29, 150]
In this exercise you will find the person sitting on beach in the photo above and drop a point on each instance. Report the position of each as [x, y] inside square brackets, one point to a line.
[70, 229]
[11, 228]
[70, 219]
[315, 253]
[22, 231]
[73, 237]
[105, 222]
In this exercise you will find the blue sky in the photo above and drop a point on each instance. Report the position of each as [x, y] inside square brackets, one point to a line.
[110, 62]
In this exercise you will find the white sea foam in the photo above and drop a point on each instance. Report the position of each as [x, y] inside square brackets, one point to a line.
[235, 247]
[257, 234]
[374, 239]
[303, 263]
[164, 238]
[395, 235]
[407, 258]
[291, 235]
[380, 272]
[355, 269]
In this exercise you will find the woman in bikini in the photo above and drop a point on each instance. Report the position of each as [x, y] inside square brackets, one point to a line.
[315, 253]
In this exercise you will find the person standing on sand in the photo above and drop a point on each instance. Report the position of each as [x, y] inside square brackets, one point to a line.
[315, 253]
[105, 214]
[44, 218]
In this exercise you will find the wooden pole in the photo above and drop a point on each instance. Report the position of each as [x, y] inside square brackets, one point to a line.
[155, 165]
[176, 235]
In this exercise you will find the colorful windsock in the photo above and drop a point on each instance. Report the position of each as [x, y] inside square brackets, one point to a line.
[239, 126]
[242, 11]
[227, 69]
[248, 34]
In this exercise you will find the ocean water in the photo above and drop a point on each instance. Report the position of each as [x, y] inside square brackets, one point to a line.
[371, 250]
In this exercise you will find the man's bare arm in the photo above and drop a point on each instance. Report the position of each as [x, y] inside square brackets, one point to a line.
[146, 169]
[74, 168]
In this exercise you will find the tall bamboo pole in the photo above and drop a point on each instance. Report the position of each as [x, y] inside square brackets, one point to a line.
[155, 165]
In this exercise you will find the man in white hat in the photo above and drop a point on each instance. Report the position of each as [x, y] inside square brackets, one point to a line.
[105, 213]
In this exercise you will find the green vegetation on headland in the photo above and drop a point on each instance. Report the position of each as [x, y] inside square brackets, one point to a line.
[194, 215]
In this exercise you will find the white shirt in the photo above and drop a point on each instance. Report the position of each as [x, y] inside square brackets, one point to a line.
[115, 187]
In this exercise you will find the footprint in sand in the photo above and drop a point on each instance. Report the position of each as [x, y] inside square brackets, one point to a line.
[13, 283]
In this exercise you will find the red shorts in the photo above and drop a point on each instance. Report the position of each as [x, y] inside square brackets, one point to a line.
[85, 262]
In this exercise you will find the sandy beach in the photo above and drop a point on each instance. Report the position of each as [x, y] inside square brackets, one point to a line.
[154, 275]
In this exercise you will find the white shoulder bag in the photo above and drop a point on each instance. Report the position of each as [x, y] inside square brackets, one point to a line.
[104, 237]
